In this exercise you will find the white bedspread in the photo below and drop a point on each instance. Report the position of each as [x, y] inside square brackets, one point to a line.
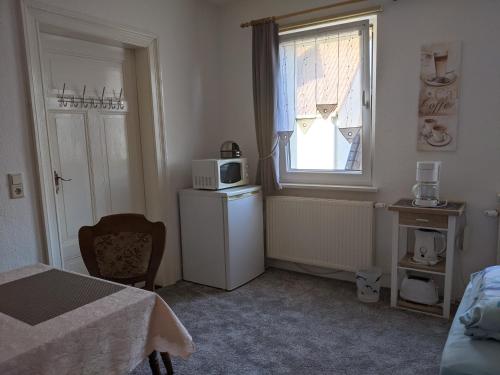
[109, 336]
[465, 356]
[482, 319]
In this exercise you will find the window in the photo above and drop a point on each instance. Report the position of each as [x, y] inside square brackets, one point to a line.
[325, 98]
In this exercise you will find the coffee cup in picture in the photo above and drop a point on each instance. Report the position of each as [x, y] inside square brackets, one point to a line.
[441, 64]
[439, 132]
[429, 123]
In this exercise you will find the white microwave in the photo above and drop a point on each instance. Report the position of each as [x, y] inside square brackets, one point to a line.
[216, 174]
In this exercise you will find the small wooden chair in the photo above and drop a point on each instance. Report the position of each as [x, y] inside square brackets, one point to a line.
[127, 249]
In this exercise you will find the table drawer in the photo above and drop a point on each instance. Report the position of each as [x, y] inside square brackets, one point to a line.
[423, 220]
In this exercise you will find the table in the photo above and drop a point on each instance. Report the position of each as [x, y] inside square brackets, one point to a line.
[110, 335]
[407, 217]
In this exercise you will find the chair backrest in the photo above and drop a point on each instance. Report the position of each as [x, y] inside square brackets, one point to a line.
[125, 248]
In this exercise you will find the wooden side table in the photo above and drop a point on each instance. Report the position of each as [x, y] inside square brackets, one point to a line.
[449, 220]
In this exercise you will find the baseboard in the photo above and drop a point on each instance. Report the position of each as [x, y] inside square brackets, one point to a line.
[321, 271]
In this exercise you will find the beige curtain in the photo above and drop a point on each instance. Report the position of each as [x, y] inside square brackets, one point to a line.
[265, 58]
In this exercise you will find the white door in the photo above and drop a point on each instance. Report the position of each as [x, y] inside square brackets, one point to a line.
[95, 152]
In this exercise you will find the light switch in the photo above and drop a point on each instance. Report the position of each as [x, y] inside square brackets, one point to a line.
[16, 179]
[16, 186]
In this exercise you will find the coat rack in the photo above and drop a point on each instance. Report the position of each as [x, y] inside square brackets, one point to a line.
[90, 102]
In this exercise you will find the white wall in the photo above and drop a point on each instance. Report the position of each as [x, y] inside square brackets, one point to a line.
[200, 43]
[471, 174]
[20, 234]
[187, 32]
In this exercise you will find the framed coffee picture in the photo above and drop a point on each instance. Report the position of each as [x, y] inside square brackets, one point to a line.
[439, 97]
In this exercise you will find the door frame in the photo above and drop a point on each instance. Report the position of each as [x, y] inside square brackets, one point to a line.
[38, 17]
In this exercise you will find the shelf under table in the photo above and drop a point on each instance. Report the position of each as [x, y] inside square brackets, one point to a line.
[428, 309]
[409, 264]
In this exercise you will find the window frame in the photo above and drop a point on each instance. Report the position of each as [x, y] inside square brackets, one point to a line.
[340, 177]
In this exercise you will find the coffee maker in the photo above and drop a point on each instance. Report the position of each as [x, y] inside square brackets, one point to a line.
[426, 190]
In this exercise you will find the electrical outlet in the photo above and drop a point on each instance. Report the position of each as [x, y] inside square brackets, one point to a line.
[16, 186]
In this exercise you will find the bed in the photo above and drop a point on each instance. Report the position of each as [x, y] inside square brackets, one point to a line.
[464, 356]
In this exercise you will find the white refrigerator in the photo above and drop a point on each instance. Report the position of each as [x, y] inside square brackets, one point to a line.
[222, 236]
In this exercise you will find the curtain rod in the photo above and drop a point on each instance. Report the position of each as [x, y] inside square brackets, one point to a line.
[336, 17]
[294, 14]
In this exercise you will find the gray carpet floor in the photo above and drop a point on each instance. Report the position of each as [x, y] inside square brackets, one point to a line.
[291, 323]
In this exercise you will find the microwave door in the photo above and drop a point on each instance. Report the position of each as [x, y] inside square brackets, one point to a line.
[230, 173]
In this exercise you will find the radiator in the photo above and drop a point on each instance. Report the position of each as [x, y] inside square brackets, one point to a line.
[321, 232]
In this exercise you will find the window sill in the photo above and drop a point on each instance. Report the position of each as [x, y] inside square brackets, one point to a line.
[358, 188]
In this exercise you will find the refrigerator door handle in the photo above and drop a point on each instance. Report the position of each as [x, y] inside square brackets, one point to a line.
[242, 196]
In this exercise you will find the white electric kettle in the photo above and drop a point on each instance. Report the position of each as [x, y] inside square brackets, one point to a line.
[430, 245]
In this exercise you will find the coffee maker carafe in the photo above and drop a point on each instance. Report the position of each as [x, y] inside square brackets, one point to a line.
[426, 190]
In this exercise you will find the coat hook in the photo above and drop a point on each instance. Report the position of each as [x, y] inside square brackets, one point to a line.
[61, 97]
[120, 104]
[102, 98]
[83, 97]
[111, 100]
